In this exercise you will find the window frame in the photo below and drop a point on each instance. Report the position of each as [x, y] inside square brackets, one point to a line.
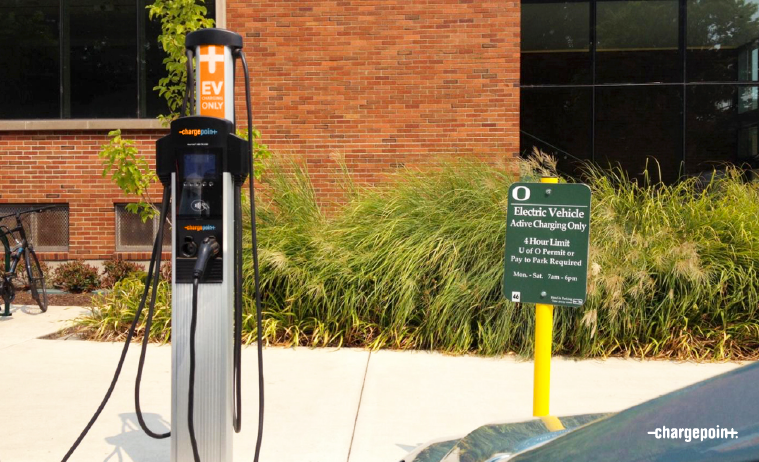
[32, 225]
[121, 206]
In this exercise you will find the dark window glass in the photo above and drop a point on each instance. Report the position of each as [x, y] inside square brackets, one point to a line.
[132, 235]
[556, 42]
[638, 41]
[80, 59]
[722, 40]
[640, 126]
[557, 121]
[103, 58]
[721, 126]
[154, 68]
[30, 59]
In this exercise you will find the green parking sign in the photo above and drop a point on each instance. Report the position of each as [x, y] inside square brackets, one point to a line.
[547, 237]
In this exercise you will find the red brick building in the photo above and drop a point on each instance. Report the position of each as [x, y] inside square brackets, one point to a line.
[382, 83]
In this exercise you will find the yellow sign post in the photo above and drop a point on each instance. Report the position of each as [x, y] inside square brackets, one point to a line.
[543, 338]
[545, 262]
[541, 391]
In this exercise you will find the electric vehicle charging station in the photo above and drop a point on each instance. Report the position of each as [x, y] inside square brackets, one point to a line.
[202, 165]
[205, 164]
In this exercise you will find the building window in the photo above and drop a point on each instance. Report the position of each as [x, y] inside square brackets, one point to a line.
[562, 115]
[670, 81]
[722, 123]
[75, 59]
[722, 39]
[47, 231]
[555, 34]
[628, 119]
[132, 235]
[638, 41]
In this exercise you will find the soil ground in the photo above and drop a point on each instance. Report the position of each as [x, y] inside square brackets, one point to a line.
[65, 299]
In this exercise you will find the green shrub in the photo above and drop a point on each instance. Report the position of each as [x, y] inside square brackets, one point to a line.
[112, 313]
[117, 269]
[76, 276]
[418, 263]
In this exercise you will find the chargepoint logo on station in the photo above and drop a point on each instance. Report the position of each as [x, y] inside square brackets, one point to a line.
[198, 131]
[200, 228]
[211, 81]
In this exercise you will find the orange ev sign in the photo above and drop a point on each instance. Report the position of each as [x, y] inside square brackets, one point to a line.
[212, 81]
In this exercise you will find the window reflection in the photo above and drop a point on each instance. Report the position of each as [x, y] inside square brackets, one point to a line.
[640, 127]
[556, 42]
[722, 40]
[103, 65]
[557, 121]
[722, 123]
[29, 60]
[638, 41]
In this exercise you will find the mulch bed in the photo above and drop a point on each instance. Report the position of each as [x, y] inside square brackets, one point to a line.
[66, 299]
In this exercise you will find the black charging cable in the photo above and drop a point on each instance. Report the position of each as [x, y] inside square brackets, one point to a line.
[189, 93]
[132, 328]
[256, 276]
[146, 336]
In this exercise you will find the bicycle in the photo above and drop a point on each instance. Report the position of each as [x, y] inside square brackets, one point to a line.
[33, 271]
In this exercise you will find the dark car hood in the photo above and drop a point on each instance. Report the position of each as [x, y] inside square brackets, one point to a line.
[730, 400]
[488, 441]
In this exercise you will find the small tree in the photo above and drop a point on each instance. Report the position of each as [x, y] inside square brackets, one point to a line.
[131, 172]
[178, 18]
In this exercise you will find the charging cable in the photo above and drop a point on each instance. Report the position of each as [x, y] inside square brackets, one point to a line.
[254, 250]
[154, 256]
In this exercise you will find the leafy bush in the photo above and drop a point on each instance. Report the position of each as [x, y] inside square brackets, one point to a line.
[76, 277]
[112, 313]
[117, 269]
[418, 263]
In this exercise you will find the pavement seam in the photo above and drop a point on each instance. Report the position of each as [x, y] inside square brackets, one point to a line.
[358, 409]
[17, 344]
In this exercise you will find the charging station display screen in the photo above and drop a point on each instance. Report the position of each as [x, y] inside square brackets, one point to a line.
[199, 166]
[200, 186]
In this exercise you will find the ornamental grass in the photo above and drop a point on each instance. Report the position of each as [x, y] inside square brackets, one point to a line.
[417, 263]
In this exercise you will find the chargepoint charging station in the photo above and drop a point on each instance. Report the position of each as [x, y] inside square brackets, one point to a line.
[203, 165]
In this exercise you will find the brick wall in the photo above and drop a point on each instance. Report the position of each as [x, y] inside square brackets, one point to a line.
[63, 167]
[383, 83]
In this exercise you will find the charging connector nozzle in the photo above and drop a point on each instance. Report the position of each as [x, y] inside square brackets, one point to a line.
[208, 249]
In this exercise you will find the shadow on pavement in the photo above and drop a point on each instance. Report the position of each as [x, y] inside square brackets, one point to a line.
[132, 444]
[32, 310]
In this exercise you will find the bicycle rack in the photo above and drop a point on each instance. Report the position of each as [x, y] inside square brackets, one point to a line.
[7, 246]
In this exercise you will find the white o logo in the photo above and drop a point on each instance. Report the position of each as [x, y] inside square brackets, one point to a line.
[526, 194]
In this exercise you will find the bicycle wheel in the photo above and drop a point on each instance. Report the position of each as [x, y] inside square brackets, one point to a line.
[36, 279]
[7, 291]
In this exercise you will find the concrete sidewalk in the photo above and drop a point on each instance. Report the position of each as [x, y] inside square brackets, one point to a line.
[322, 405]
